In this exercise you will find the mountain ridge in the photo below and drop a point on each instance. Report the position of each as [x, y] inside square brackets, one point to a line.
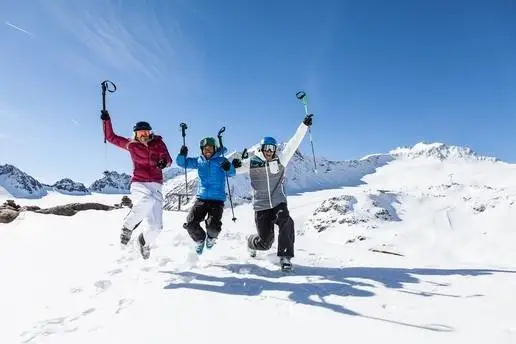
[301, 174]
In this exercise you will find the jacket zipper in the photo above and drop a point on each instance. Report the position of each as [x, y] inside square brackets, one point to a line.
[268, 184]
[149, 160]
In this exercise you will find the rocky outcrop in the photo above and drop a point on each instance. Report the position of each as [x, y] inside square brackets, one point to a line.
[9, 211]
[368, 209]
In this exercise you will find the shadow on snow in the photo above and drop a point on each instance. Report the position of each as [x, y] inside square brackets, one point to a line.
[322, 282]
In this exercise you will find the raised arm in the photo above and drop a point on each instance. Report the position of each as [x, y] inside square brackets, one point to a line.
[110, 135]
[290, 148]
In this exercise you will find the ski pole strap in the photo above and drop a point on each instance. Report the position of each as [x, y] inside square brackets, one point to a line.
[219, 135]
[245, 155]
[301, 95]
[105, 87]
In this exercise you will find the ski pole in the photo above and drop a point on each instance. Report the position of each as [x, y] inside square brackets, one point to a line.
[301, 95]
[183, 133]
[219, 135]
[105, 87]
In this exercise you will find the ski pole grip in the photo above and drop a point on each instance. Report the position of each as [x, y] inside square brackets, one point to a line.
[223, 129]
[183, 128]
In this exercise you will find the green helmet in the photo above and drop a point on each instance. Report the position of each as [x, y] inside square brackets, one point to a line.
[209, 141]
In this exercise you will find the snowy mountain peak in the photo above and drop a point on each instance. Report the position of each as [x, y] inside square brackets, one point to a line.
[68, 186]
[112, 183]
[438, 150]
[20, 184]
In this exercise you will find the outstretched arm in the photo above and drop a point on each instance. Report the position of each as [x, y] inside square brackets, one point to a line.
[244, 166]
[182, 160]
[240, 163]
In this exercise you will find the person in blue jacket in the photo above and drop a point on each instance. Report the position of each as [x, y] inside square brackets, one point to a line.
[212, 168]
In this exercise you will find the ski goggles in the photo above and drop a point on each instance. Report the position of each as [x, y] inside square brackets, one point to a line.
[270, 148]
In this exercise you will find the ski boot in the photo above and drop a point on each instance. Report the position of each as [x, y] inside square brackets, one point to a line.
[285, 263]
[125, 236]
[199, 247]
[144, 249]
[210, 242]
[251, 251]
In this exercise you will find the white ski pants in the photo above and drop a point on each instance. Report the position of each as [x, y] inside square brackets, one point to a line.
[147, 205]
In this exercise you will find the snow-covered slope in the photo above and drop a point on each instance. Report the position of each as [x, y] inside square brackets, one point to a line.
[19, 184]
[303, 177]
[420, 251]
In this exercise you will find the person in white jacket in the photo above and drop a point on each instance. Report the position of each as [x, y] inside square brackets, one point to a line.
[267, 173]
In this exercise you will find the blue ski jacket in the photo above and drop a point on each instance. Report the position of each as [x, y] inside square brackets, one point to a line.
[212, 178]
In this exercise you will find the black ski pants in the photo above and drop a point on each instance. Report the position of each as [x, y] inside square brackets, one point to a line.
[265, 221]
[214, 209]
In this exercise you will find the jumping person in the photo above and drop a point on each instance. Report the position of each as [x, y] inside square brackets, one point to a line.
[212, 168]
[150, 156]
[267, 173]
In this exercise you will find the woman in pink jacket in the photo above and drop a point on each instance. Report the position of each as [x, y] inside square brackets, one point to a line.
[150, 156]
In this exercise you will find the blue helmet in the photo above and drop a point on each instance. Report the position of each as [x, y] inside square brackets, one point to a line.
[267, 140]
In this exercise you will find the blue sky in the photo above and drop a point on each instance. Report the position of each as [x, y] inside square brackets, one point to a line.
[379, 74]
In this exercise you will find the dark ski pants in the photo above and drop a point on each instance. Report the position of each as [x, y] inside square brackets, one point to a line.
[265, 221]
[214, 209]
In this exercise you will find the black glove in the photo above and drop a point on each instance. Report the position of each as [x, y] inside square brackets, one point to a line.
[183, 151]
[104, 115]
[162, 163]
[308, 120]
[226, 165]
[236, 163]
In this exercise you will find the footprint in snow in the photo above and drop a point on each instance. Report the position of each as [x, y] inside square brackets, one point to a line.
[123, 303]
[164, 261]
[52, 326]
[102, 285]
[76, 290]
[115, 271]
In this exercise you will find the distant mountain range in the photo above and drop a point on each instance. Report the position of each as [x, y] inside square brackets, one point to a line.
[300, 173]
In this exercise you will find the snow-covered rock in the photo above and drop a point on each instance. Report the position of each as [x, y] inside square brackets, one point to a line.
[112, 183]
[368, 209]
[68, 186]
[19, 184]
